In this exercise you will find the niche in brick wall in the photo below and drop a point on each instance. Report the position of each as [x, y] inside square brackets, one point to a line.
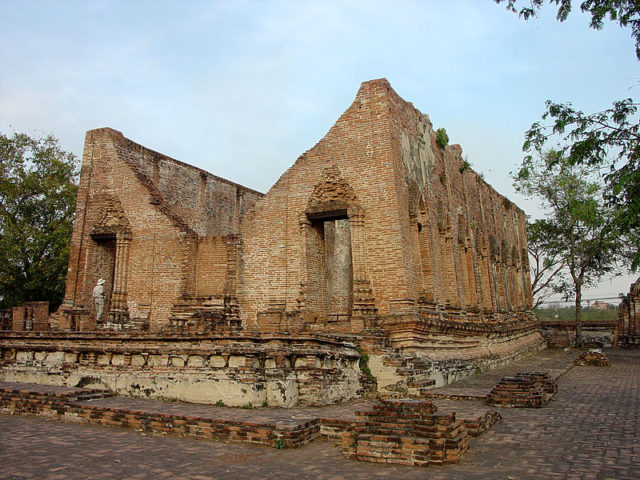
[330, 267]
[109, 256]
[103, 264]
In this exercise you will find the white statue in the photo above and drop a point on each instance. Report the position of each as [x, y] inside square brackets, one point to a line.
[98, 299]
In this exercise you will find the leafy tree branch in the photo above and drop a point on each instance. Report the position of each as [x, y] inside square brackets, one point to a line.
[624, 12]
[580, 232]
[547, 267]
[608, 139]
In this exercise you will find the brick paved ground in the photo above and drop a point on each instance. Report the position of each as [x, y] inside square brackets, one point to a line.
[590, 431]
[553, 361]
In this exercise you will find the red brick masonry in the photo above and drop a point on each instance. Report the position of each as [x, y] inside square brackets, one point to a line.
[379, 237]
[408, 432]
[524, 390]
[443, 437]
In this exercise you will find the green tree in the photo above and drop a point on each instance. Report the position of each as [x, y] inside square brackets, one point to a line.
[610, 138]
[593, 140]
[37, 203]
[547, 265]
[580, 230]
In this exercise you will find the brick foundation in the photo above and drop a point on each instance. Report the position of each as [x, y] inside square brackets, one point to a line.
[524, 390]
[407, 432]
[73, 407]
[234, 369]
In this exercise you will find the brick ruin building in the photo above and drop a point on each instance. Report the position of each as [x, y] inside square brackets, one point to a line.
[629, 318]
[376, 240]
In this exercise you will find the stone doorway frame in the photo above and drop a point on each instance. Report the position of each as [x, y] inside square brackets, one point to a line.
[114, 225]
[333, 198]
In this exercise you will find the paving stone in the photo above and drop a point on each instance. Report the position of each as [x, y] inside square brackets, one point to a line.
[590, 431]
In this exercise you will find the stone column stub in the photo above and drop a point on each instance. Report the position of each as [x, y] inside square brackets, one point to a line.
[119, 311]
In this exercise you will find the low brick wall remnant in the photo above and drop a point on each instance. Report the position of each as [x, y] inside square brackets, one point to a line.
[71, 405]
[524, 390]
[407, 432]
[561, 334]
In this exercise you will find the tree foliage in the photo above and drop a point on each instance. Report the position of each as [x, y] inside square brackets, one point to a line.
[37, 202]
[609, 139]
[580, 230]
[625, 12]
[547, 265]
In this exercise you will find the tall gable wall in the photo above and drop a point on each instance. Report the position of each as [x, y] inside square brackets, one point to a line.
[425, 229]
[277, 235]
[139, 217]
[207, 204]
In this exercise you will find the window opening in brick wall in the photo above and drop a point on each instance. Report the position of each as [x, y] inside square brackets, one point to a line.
[331, 268]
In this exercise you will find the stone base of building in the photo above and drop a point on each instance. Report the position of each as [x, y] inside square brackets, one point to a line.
[235, 370]
[418, 353]
[393, 356]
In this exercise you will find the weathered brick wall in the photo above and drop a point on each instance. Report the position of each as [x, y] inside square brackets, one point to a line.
[560, 334]
[376, 218]
[208, 204]
[424, 228]
[376, 230]
[212, 266]
[281, 252]
[407, 432]
[31, 316]
[125, 187]
[471, 240]
[234, 369]
[629, 318]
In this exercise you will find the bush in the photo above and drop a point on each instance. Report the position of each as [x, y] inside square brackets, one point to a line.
[442, 139]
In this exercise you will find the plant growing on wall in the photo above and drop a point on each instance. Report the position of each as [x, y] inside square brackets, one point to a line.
[364, 365]
[465, 165]
[442, 139]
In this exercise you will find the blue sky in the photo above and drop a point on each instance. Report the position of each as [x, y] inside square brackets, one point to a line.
[242, 88]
